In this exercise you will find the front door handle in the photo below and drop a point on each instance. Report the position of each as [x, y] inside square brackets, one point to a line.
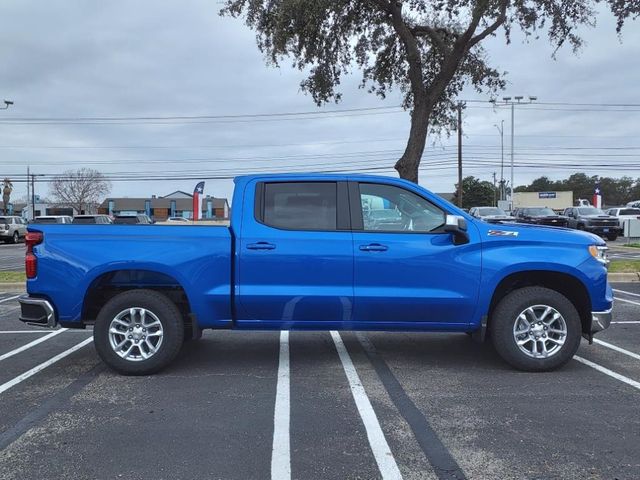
[374, 247]
[261, 246]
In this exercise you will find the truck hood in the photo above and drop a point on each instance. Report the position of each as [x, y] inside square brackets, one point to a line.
[520, 232]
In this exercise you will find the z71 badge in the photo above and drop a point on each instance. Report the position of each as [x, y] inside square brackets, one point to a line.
[502, 233]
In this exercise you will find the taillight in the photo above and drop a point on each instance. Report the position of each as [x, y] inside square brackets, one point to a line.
[30, 260]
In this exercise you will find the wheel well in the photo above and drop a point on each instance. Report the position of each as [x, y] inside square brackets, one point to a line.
[563, 283]
[110, 284]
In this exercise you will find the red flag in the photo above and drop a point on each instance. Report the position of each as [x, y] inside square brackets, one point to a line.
[196, 200]
[597, 197]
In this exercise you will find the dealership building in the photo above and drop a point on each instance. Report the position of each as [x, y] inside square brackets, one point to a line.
[176, 204]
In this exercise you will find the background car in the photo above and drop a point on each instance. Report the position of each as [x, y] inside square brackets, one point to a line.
[491, 214]
[52, 219]
[593, 220]
[540, 216]
[91, 219]
[383, 219]
[634, 204]
[132, 219]
[624, 213]
[178, 220]
[12, 228]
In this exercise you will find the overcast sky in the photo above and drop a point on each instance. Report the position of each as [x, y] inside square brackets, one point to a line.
[79, 58]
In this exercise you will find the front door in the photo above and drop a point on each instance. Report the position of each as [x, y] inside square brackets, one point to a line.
[295, 255]
[407, 269]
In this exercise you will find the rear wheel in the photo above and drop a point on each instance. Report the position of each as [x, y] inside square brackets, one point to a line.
[138, 332]
[536, 329]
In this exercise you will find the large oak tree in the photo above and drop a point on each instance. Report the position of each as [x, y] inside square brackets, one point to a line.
[429, 49]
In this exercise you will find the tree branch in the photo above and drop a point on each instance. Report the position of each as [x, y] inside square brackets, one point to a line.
[493, 27]
[432, 33]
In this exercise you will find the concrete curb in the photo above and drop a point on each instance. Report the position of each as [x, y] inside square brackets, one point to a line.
[624, 277]
[13, 287]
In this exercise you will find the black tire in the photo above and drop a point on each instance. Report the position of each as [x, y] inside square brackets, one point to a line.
[167, 313]
[16, 237]
[612, 237]
[504, 318]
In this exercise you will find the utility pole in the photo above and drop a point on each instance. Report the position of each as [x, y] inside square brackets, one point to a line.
[494, 190]
[460, 154]
[33, 197]
[501, 130]
[517, 100]
[28, 194]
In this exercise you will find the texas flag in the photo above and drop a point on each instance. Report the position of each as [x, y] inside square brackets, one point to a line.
[597, 198]
[196, 200]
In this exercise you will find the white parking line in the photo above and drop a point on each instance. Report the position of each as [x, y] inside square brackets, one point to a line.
[8, 298]
[281, 452]
[31, 344]
[382, 453]
[606, 371]
[616, 348]
[628, 321]
[628, 293]
[75, 330]
[618, 299]
[29, 373]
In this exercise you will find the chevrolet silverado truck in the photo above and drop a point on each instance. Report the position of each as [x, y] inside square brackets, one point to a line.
[303, 253]
[594, 220]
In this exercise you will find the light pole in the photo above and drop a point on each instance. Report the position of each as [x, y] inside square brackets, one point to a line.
[517, 100]
[501, 130]
[7, 103]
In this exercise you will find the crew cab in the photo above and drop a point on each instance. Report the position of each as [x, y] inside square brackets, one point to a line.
[540, 216]
[303, 252]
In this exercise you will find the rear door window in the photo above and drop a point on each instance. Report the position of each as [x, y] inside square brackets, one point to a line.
[300, 205]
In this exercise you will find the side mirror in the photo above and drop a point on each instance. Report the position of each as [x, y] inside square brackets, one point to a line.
[458, 227]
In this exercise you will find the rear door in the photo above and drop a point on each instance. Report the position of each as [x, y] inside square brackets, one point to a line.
[295, 264]
[409, 270]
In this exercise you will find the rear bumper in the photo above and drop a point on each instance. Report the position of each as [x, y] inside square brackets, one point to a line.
[37, 312]
[600, 321]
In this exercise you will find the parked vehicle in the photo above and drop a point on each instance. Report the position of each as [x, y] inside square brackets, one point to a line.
[634, 204]
[383, 219]
[491, 214]
[593, 220]
[92, 219]
[178, 220]
[540, 216]
[52, 219]
[139, 219]
[299, 255]
[12, 228]
[623, 214]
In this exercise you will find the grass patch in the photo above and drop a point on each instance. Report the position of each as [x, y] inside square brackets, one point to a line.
[624, 266]
[634, 245]
[11, 277]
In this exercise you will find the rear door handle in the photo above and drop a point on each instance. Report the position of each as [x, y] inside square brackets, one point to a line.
[261, 246]
[374, 247]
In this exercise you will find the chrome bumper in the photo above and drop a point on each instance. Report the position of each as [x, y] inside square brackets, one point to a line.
[37, 312]
[600, 321]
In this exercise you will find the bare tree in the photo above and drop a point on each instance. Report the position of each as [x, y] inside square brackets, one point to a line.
[6, 194]
[80, 189]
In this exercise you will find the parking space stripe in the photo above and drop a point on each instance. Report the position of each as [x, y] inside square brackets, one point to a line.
[281, 452]
[606, 371]
[617, 349]
[627, 301]
[8, 299]
[382, 453]
[628, 321]
[31, 344]
[30, 373]
[625, 292]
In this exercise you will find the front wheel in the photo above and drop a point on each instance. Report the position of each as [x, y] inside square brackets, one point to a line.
[138, 332]
[536, 329]
[612, 237]
[16, 237]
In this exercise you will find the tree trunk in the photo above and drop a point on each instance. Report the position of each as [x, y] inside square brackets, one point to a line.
[407, 165]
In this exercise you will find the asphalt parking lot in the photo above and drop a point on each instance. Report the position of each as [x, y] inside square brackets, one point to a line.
[12, 257]
[359, 405]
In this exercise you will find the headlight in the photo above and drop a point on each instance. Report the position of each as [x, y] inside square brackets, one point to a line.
[599, 252]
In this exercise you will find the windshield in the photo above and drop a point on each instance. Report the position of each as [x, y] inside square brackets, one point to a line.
[590, 211]
[491, 211]
[4, 220]
[538, 212]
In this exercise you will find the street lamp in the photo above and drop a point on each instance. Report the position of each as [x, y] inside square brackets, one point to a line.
[501, 130]
[517, 99]
[7, 103]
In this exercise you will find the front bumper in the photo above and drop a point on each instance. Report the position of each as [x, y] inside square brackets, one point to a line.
[600, 321]
[600, 230]
[37, 312]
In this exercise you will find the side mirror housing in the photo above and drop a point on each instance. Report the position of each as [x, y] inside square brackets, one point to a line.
[457, 226]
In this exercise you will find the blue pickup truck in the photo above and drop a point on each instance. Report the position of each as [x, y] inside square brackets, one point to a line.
[321, 252]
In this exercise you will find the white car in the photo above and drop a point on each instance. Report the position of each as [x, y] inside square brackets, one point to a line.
[634, 204]
[624, 213]
[178, 220]
[52, 219]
